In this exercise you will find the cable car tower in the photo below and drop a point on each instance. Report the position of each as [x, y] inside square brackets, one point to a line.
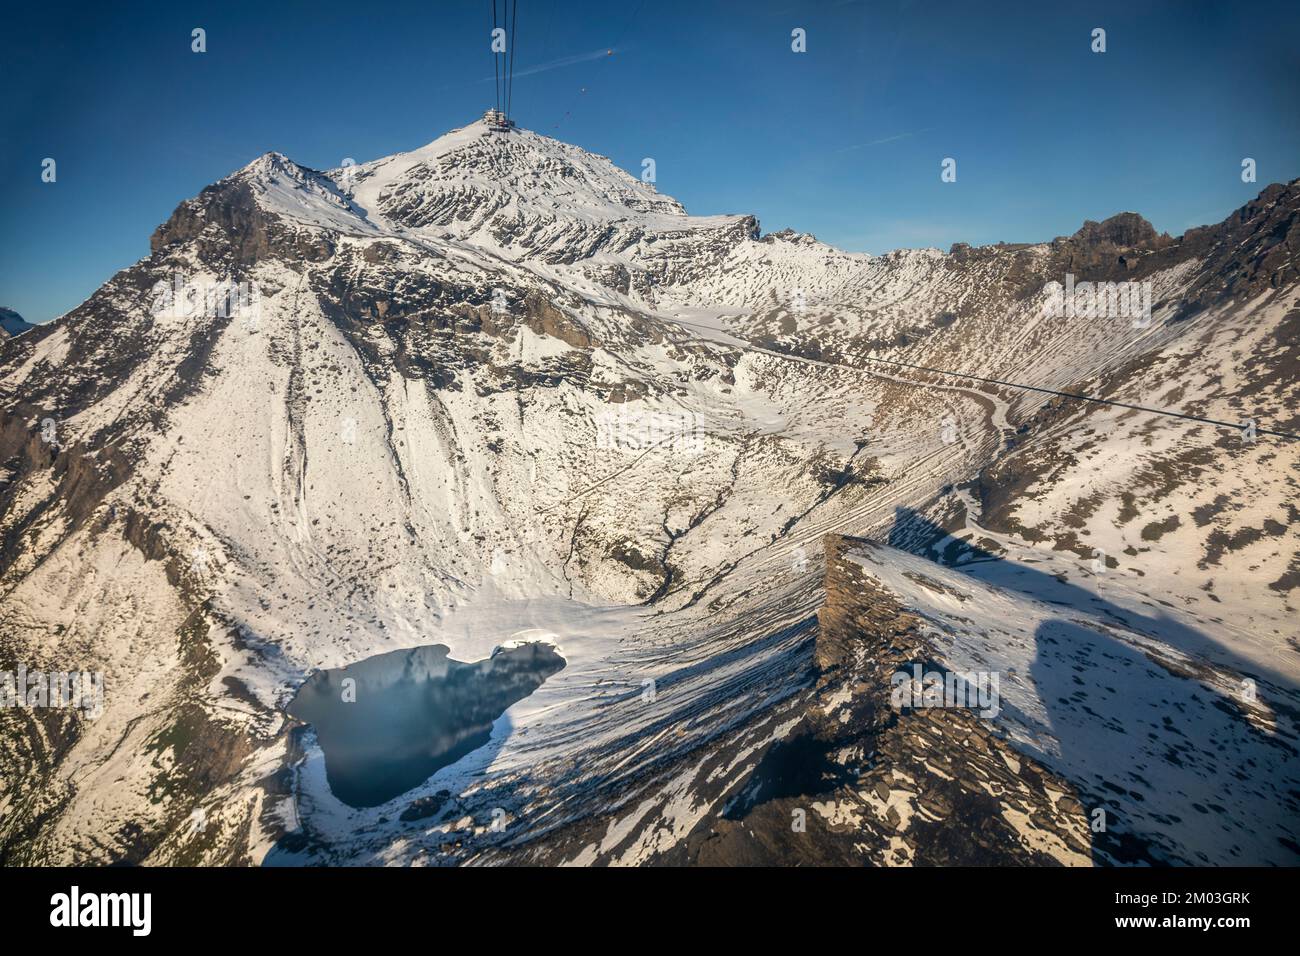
[503, 65]
[497, 121]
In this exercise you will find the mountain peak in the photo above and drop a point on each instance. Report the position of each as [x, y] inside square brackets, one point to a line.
[268, 164]
[1126, 230]
[521, 169]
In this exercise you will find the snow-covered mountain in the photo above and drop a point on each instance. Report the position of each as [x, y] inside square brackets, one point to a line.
[12, 323]
[496, 390]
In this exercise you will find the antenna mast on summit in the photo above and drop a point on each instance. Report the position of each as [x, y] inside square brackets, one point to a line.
[496, 62]
[503, 63]
[510, 84]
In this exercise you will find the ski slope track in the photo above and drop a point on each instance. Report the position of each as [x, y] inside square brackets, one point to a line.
[497, 390]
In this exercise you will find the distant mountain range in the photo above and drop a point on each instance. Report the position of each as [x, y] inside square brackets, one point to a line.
[12, 322]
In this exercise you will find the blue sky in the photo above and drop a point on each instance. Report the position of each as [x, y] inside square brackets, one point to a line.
[844, 141]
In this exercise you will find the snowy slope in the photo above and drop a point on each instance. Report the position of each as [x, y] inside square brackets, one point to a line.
[495, 388]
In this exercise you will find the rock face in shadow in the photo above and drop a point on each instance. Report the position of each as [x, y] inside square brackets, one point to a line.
[388, 723]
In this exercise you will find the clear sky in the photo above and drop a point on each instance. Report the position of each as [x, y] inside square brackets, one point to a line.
[844, 141]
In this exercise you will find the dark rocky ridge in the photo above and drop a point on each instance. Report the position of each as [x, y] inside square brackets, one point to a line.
[939, 763]
[1253, 251]
[874, 785]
